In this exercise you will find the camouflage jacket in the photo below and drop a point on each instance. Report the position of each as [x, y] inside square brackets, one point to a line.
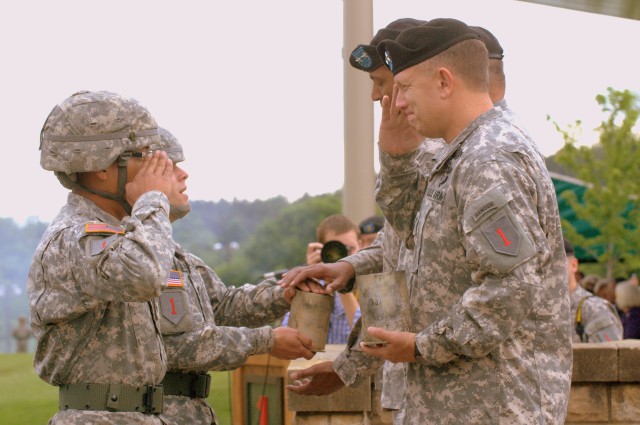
[599, 319]
[488, 282]
[391, 254]
[209, 326]
[92, 290]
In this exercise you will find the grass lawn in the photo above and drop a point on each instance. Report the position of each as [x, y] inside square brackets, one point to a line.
[27, 400]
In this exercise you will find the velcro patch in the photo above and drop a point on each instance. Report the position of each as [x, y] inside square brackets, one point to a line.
[99, 245]
[175, 279]
[503, 236]
[172, 306]
[484, 208]
[103, 228]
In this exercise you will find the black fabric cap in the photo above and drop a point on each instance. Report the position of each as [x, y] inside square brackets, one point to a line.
[568, 248]
[417, 44]
[371, 225]
[489, 40]
[365, 57]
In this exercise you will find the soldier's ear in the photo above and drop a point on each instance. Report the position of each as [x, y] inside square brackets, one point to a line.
[573, 263]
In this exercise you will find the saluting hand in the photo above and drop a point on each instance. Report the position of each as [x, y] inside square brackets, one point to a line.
[154, 174]
[396, 136]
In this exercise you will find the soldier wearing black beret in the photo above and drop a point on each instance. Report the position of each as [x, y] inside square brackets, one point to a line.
[488, 288]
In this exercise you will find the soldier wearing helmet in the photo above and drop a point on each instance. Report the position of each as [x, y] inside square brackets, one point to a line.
[103, 261]
[197, 333]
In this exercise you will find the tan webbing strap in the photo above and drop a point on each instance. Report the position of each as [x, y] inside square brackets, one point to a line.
[112, 397]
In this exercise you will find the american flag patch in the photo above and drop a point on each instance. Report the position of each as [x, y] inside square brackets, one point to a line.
[103, 228]
[175, 279]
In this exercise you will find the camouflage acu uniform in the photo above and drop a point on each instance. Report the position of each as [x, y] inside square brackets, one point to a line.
[599, 319]
[92, 288]
[389, 252]
[488, 283]
[205, 324]
[209, 326]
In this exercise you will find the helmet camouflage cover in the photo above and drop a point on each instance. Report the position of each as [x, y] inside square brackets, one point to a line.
[89, 130]
[170, 144]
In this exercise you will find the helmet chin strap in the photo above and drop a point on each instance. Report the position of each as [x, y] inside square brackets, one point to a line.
[118, 197]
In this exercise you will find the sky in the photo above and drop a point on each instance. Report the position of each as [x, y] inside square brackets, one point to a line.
[254, 89]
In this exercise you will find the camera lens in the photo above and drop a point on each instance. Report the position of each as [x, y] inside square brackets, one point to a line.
[333, 251]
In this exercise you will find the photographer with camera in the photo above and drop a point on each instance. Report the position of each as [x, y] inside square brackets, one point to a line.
[336, 238]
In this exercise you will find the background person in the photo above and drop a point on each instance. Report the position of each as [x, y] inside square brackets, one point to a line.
[606, 288]
[595, 319]
[369, 228]
[346, 309]
[22, 334]
[628, 298]
[588, 282]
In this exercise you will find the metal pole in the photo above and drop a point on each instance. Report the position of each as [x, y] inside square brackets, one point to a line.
[359, 175]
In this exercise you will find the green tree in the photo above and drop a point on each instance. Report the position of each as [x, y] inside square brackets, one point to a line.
[281, 242]
[609, 168]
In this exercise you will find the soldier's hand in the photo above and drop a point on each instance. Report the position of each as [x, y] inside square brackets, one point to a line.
[400, 345]
[319, 379]
[155, 173]
[291, 344]
[335, 275]
[310, 285]
[396, 136]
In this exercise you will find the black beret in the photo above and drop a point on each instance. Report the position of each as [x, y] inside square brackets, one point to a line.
[489, 40]
[365, 57]
[568, 248]
[371, 225]
[417, 44]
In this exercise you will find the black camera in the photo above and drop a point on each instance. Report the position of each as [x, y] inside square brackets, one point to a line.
[333, 251]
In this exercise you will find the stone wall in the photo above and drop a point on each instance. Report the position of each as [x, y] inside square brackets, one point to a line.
[605, 389]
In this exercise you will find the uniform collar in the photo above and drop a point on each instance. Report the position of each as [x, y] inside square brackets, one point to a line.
[445, 154]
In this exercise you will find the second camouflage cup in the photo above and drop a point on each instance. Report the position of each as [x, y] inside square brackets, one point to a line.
[310, 314]
[384, 303]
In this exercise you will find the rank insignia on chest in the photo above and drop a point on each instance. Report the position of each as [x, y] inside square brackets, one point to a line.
[103, 228]
[175, 279]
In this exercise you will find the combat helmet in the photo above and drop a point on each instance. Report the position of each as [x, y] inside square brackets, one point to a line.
[89, 131]
[170, 144]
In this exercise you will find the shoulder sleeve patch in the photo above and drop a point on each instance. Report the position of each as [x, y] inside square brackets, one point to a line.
[99, 245]
[103, 228]
[502, 235]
